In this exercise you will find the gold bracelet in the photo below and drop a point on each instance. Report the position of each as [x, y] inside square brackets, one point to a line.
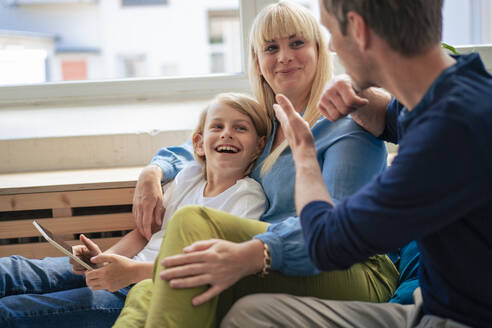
[267, 262]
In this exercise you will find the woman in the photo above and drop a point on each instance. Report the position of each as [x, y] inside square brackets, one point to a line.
[289, 55]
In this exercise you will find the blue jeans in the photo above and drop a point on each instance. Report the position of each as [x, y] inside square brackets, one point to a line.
[45, 293]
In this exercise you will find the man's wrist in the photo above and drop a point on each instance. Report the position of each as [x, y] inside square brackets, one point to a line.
[304, 155]
[306, 160]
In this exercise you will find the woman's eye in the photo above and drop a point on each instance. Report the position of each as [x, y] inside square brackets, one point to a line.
[297, 44]
[270, 48]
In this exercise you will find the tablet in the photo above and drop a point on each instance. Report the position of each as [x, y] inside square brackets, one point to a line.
[62, 246]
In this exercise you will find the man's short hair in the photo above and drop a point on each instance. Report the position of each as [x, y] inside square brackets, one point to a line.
[409, 26]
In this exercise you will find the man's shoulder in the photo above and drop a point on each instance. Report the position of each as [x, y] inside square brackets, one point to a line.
[462, 93]
[467, 88]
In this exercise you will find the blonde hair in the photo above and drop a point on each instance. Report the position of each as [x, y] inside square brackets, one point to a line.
[243, 104]
[279, 20]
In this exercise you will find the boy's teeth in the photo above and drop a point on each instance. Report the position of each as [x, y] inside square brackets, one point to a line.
[227, 148]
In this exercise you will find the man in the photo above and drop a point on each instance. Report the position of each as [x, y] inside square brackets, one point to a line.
[437, 190]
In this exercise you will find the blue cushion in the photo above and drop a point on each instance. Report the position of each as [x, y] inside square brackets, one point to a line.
[408, 266]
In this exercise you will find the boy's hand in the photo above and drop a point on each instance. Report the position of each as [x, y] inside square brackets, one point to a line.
[85, 252]
[115, 272]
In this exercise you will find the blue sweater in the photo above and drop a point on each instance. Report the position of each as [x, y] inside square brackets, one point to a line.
[349, 157]
[437, 192]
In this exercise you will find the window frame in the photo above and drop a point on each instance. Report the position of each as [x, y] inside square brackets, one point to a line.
[155, 89]
[139, 89]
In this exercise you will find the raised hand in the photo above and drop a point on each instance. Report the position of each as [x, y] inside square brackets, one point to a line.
[86, 251]
[340, 98]
[217, 263]
[147, 201]
[309, 185]
[295, 129]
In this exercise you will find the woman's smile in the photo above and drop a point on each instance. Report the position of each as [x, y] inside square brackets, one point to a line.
[287, 71]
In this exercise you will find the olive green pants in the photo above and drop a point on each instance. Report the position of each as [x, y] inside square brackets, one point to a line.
[153, 303]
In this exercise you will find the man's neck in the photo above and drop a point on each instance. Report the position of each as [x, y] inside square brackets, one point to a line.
[409, 78]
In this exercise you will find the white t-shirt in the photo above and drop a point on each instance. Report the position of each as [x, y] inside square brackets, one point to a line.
[244, 199]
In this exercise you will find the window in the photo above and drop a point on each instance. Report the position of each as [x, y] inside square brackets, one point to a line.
[21, 66]
[74, 70]
[178, 57]
[467, 22]
[133, 40]
[224, 28]
[151, 64]
[132, 65]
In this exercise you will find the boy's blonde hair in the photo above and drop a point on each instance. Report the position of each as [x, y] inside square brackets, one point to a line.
[245, 105]
[280, 20]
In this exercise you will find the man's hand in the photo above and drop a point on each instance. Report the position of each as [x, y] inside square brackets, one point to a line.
[340, 98]
[147, 201]
[217, 263]
[114, 273]
[86, 251]
[295, 129]
[309, 184]
[367, 107]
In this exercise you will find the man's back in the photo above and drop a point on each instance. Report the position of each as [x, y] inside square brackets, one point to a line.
[454, 124]
[436, 192]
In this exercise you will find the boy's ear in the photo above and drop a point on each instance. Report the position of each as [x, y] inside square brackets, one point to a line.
[260, 145]
[198, 144]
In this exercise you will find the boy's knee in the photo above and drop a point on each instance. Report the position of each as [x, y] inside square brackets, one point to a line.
[185, 215]
[142, 287]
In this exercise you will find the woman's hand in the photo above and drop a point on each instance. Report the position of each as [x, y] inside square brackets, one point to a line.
[85, 252]
[147, 201]
[214, 262]
[115, 272]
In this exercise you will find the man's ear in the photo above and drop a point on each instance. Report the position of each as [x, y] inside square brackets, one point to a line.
[359, 30]
[198, 144]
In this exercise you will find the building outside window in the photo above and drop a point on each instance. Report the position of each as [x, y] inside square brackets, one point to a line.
[224, 29]
[124, 39]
